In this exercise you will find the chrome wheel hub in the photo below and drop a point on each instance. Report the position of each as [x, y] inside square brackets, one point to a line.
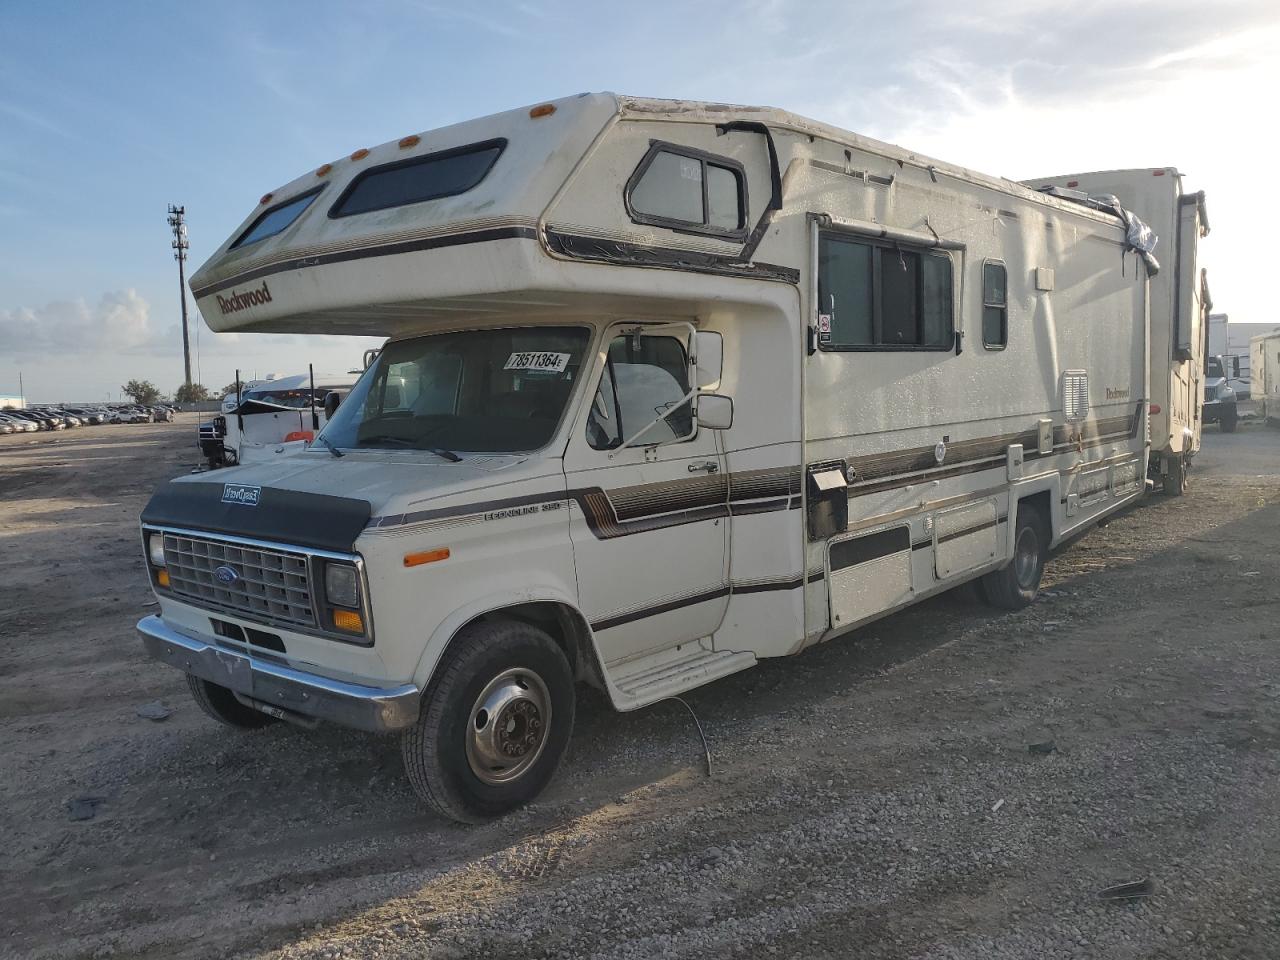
[1026, 557]
[508, 726]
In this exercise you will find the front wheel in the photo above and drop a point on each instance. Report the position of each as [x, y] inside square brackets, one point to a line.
[1016, 584]
[494, 725]
[1230, 419]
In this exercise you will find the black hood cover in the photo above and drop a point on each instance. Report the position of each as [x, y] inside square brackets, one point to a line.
[262, 513]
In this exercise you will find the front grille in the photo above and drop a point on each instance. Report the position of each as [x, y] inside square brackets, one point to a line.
[271, 585]
[1210, 394]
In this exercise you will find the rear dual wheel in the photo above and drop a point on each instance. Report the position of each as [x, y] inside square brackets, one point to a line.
[495, 722]
[1174, 483]
[1016, 584]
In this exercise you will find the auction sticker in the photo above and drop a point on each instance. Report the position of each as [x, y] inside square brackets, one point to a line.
[547, 362]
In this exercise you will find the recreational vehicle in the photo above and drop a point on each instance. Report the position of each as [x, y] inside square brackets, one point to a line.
[269, 418]
[1264, 365]
[670, 387]
[1180, 306]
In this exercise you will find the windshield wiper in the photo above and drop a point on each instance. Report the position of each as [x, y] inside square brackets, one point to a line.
[406, 442]
[329, 446]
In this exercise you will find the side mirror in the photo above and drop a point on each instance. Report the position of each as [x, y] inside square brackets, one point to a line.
[715, 412]
[709, 349]
[331, 401]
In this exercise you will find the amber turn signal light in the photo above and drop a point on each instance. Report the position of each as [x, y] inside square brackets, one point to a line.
[348, 620]
[426, 556]
[162, 577]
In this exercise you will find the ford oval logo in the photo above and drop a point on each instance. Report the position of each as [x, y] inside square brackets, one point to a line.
[227, 575]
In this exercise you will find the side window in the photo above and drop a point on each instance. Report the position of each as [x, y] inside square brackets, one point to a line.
[995, 305]
[872, 296]
[640, 383]
[685, 189]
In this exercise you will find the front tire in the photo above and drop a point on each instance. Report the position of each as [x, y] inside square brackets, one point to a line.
[221, 704]
[1230, 419]
[495, 722]
[1016, 584]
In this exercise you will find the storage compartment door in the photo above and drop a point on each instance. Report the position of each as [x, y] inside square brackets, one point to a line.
[869, 574]
[965, 538]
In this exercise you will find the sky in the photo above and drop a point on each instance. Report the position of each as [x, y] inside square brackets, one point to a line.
[111, 111]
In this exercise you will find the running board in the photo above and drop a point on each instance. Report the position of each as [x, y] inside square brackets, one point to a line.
[673, 671]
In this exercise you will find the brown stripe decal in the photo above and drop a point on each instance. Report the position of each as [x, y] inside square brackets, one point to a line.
[873, 546]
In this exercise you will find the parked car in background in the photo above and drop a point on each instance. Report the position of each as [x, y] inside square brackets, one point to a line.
[6, 428]
[19, 424]
[87, 415]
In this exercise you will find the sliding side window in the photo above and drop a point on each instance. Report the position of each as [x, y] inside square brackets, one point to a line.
[689, 191]
[995, 305]
[878, 296]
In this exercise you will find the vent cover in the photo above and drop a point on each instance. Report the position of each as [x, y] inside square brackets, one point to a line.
[1075, 395]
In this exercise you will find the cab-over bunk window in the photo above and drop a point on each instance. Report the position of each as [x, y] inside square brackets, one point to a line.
[689, 191]
[883, 296]
[432, 176]
[275, 219]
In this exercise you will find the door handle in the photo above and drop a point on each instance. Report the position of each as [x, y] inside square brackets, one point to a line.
[709, 466]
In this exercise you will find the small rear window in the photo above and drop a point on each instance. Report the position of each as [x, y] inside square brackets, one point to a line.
[270, 222]
[430, 177]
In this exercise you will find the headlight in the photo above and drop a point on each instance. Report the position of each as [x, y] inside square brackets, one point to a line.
[341, 585]
[155, 549]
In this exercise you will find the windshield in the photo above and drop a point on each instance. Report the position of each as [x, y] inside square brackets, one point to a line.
[1215, 368]
[478, 390]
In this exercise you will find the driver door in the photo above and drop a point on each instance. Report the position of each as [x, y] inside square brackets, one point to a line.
[650, 524]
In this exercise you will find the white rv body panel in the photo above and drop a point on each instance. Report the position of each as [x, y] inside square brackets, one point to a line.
[1264, 366]
[854, 479]
[1179, 298]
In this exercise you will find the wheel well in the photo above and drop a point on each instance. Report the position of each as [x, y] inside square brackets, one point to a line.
[1040, 503]
[563, 624]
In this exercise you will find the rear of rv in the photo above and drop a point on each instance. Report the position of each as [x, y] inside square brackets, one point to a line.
[1179, 304]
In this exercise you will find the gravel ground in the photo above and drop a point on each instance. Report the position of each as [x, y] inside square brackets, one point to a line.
[948, 783]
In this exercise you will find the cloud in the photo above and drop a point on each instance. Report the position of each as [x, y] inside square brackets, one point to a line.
[119, 322]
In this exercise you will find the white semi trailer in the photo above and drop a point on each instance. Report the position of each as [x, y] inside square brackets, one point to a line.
[670, 387]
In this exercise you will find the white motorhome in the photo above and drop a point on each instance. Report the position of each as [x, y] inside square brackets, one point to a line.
[1180, 307]
[1264, 364]
[270, 418]
[670, 387]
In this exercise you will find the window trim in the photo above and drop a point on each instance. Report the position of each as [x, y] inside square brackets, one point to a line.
[877, 326]
[239, 242]
[1003, 307]
[688, 226]
[335, 210]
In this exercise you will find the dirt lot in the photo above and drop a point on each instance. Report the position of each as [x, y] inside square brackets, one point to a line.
[874, 797]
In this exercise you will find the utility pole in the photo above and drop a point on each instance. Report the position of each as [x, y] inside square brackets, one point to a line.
[178, 222]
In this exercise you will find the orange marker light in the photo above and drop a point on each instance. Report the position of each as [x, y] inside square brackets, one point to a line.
[266, 198]
[162, 577]
[360, 154]
[410, 141]
[544, 110]
[324, 169]
[348, 620]
[426, 556]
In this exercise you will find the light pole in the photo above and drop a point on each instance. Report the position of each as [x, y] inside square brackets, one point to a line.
[178, 222]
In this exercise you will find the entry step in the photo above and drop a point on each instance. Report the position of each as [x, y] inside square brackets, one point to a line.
[672, 671]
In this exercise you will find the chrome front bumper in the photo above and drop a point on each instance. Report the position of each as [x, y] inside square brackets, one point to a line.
[274, 686]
